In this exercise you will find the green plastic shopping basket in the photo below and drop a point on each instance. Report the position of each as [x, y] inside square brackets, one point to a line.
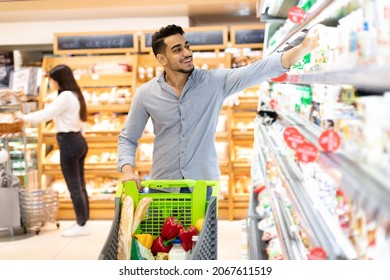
[189, 206]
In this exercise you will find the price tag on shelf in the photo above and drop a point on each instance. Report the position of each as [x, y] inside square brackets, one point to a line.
[293, 137]
[307, 152]
[281, 78]
[329, 140]
[317, 253]
[290, 130]
[296, 14]
[273, 103]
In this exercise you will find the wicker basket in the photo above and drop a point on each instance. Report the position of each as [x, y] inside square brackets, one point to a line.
[9, 104]
[14, 127]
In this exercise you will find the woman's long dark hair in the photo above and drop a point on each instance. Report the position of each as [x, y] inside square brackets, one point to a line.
[63, 75]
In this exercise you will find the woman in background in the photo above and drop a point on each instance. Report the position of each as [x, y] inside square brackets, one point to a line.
[69, 113]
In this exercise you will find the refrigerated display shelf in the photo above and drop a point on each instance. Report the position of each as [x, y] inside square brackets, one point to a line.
[369, 77]
[292, 246]
[365, 185]
[309, 20]
[256, 246]
[323, 230]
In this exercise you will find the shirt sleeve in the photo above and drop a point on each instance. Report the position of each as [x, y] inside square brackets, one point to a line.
[241, 78]
[131, 132]
[50, 111]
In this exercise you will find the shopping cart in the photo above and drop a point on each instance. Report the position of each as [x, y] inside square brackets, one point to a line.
[38, 207]
[191, 206]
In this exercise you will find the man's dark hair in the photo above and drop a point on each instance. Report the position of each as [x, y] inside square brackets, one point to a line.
[158, 37]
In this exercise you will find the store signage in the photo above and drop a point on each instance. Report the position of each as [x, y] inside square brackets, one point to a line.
[293, 137]
[199, 38]
[196, 38]
[330, 140]
[148, 39]
[247, 36]
[6, 67]
[306, 152]
[205, 38]
[250, 36]
[296, 14]
[95, 42]
[114, 42]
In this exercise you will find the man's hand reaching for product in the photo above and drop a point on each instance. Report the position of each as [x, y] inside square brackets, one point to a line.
[128, 174]
[312, 39]
[309, 43]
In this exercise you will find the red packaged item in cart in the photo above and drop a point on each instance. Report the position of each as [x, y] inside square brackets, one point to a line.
[171, 228]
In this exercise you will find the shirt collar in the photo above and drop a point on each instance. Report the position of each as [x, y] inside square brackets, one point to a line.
[161, 78]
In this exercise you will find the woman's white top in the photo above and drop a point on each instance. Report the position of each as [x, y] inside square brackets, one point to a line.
[64, 110]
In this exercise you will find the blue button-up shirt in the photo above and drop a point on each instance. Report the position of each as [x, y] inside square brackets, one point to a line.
[185, 126]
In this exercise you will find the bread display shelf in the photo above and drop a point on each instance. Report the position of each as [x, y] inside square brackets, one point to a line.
[143, 166]
[243, 133]
[95, 157]
[247, 103]
[119, 108]
[89, 169]
[242, 127]
[222, 135]
[103, 209]
[95, 80]
[147, 138]
[91, 137]
[241, 166]
[241, 197]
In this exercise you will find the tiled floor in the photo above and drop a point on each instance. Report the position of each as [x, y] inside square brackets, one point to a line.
[49, 245]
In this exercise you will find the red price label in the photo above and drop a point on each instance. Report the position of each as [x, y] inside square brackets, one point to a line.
[293, 137]
[317, 253]
[294, 140]
[330, 140]
[307, 152]
[281, 78]
[289, 131]
[273, 103]
[296, 14]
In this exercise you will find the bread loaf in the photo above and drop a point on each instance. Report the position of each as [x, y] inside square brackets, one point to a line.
[124, 232]
[140, 212]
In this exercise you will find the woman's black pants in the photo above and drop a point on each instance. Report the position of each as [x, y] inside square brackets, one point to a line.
[73, 150]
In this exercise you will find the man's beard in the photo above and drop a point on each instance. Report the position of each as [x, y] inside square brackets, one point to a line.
[186, 71]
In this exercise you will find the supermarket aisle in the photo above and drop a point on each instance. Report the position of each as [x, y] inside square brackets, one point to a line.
[49, 245]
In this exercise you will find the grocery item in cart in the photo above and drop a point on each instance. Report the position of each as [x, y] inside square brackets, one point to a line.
[193, 206]
[125, 225]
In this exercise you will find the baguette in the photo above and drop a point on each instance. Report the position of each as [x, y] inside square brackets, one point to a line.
[140, 212]
[124, 232]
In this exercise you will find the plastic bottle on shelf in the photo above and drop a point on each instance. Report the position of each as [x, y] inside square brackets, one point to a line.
[177, 252]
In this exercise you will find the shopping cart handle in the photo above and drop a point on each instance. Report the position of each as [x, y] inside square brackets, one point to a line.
[174, 183]
[158, 184]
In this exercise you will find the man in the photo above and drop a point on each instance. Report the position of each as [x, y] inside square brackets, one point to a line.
[184, 104]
